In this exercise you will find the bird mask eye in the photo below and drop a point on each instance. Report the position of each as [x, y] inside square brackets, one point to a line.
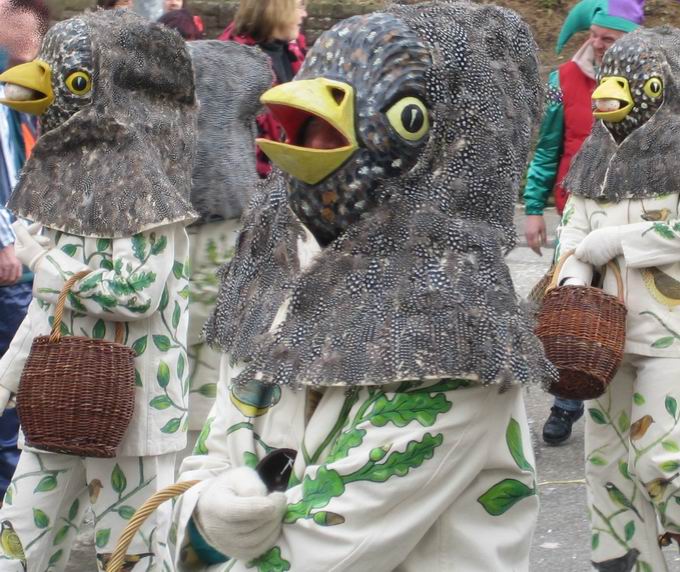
[409, 118]
[79, 82]
[654, 87]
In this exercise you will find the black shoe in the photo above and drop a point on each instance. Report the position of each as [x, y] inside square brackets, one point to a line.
[557, 428]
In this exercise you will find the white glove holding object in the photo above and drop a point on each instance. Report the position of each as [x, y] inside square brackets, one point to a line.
[601, 246]
[237, 517]
[29, 246]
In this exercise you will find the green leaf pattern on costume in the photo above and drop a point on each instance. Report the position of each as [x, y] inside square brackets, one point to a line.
[270, 561]
[505, 494]
[644, 433]
[502, 496]
[204, 280]
[410, 404]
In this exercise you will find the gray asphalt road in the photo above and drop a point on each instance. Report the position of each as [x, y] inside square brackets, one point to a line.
[562, 539]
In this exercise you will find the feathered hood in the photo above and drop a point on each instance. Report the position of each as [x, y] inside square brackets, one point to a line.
[636, 156]
[412, 283]
[118, 136]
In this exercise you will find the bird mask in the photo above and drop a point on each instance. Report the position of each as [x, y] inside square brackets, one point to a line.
[116, 99]
[633, 149]
[407, 134]
[230, 78]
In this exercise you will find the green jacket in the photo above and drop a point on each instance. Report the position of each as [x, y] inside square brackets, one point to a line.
[543, 168]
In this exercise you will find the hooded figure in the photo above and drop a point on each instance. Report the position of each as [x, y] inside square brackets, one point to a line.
[229, 81]
[109, 182]
[624, 207]
[369, 319]
[567, 121]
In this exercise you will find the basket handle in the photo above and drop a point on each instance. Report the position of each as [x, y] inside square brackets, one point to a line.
[55, 336]
[141, 514]
[610, 266]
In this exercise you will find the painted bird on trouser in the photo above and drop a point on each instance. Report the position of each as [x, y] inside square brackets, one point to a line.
[10, 543]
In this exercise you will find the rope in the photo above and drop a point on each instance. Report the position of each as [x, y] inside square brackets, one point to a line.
[141, 514]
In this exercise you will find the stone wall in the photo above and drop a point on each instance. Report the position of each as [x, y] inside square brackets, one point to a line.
[217, 14]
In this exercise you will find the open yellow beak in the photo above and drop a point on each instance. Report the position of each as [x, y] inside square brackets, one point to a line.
[318, 118]
[28, 87]
[613, 100]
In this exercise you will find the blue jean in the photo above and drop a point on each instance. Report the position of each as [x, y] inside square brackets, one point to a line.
[14, 301]
[571, 405]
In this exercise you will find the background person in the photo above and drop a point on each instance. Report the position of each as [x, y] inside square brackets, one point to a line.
[567, 121]
[275, 27]
[24, 24]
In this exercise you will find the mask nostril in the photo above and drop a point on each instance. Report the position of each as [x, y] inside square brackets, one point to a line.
[338, 95]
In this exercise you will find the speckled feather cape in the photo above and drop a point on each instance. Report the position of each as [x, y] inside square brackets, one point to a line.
[418, 287]
[229, 81]
[121, 163]
[645, 164]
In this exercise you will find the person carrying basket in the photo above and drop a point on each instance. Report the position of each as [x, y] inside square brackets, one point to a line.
[624, 209]
[103, 400]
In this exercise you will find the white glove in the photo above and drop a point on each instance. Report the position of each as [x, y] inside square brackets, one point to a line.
[237, 517]
[600, 246]
[29, 246]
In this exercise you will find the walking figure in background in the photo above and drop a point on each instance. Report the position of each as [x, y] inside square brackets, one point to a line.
[567, 121]
[229, 81]
[624, 207]
[109, 182]
[24, 25]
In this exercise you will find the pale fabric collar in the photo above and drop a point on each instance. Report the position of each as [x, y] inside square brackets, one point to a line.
[584, 58]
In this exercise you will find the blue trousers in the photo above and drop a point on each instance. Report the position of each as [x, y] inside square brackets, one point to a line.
[571, 405]
[14, 301]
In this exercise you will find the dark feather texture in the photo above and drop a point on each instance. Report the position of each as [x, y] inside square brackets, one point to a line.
[415, 285]
[117, 160]
[644, 163]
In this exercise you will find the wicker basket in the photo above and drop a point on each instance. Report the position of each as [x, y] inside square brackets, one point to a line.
[583, 331]
[76, 394]
[540, 288]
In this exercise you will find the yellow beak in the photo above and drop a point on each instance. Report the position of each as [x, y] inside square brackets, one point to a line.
[36, 79]
[613, 90]
[329, 106]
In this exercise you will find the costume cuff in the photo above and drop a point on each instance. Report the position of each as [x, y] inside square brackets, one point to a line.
[206, 553]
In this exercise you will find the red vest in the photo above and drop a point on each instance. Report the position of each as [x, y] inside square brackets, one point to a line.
[577, 89]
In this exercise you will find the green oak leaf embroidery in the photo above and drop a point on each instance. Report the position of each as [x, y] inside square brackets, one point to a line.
[406, 407]
[158, 246]
[139, 247]
[317, 492]
[270, 561]
[347, 440]
[328, 483]
[664, 230]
